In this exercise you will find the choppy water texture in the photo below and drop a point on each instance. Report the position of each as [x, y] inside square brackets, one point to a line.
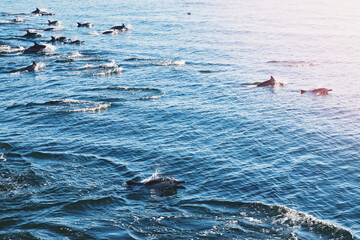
[170, 97]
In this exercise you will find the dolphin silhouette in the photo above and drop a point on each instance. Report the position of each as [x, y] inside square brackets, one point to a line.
[41, 12]
[85, 24]
[317, 91]
[120, 28]
[53, 22]
[34, 49]
[31, 68]
[59, 39]
[75, 42]
[37, 11]
[267, 83]
[157, 183]
[32, 34]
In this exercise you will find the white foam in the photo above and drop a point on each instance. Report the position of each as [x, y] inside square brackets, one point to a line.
[98, 108]
[87, 66]
[111, 64]
[169, 62]
[74, 55]
[39, 66]
[2, 158]
[178, 63]
[8, 49]
[151, 97]
[109, 72]
[94, 33]
[153, 176]
[49, 48]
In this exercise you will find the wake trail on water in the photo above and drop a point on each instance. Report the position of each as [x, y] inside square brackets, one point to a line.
[270, 220]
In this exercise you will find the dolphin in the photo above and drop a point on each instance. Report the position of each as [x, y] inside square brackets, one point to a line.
[31, 68]
[85, 24]
[109, 31]
[267, 83]
[41, 12]
[317, 91]
[32, 35]
[53, 22]
[49, 29]
[76, 42]
[59, 39]
[37, 11]
[120, 28]
[17, 20]
[157, 183]
[35, 49]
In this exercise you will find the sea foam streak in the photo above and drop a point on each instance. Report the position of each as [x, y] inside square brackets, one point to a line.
[71, 105]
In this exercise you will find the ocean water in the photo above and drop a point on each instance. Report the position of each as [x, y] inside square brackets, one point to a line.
[173, 97]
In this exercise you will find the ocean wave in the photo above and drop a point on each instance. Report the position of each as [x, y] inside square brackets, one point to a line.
[271, 220]
[91, 203]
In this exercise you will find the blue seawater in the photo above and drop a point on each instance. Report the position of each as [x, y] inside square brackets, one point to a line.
[174, 97]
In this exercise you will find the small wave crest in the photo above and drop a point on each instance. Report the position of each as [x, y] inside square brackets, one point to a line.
[72, 105]
[158, 62]
[111, 68]
[114, 71]
[294, 63]
[137, 93]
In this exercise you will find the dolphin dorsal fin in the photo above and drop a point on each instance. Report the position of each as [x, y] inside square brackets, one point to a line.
[272, 78]
[53, 38]
[34, 63]
[36, 44]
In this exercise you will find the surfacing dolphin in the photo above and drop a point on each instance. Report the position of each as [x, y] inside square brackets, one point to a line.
[35, 49]
[32, 35]
[157, 183]
[120, 28]
[85, 24]
[41, 12]
[17, 20]
[270, 83]
[59, 39]
[31, 68]
[53, 22]
[76, 42]
[317, 91]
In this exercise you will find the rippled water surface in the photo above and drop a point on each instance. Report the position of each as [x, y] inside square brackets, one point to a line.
[174, 97]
